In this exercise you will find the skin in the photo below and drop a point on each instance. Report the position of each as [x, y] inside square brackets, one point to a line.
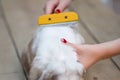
[90, 54]
[53, 5]
[87, 54]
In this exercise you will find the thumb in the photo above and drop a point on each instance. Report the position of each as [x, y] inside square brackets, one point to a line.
[62, 5]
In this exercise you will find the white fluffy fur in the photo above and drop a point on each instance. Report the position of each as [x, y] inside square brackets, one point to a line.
[53, 59]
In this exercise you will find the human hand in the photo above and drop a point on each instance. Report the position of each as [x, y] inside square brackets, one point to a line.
[90, 54]
[56, 6]
[86, 54]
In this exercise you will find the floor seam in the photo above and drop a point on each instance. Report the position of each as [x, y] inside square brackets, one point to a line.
[9, 73]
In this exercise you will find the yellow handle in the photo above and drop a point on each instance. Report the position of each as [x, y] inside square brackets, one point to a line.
[57, 18]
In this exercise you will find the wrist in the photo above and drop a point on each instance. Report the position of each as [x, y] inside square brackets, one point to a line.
[95, 54]
[99, 52]
[92, 55]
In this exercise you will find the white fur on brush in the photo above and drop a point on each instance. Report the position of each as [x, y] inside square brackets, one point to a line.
[54, 60]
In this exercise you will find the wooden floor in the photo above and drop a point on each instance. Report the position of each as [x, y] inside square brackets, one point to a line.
[99, 22]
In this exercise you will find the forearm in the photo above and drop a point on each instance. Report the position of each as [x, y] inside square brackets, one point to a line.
[108, 49]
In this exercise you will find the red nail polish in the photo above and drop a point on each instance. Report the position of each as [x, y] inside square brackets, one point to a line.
[58, 11]
[64, 40]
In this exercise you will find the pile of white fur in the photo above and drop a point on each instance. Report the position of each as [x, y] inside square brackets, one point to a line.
[47, 58]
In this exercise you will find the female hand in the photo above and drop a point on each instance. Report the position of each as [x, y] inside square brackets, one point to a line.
[56, 6]
[90, 54]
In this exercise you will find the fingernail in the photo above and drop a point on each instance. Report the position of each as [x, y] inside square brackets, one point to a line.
[64, 40]
[58, 11]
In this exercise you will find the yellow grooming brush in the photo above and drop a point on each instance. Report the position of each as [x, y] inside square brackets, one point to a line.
[57, 18]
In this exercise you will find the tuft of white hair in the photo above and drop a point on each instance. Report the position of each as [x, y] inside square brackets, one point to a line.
[55, 60]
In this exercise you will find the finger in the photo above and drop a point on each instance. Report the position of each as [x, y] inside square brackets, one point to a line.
[69, 43]
[58, 11]
[50, 6]
[62, 5]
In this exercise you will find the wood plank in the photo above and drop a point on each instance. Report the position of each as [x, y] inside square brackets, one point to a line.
[12, 76]
[109, 12]
[8, 56]
[103, 70]
[103, 28]
[113, 5]
[22, 12]
[9, 63]
[22, 17]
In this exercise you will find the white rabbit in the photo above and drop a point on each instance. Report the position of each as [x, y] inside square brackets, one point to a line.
[47, 58]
